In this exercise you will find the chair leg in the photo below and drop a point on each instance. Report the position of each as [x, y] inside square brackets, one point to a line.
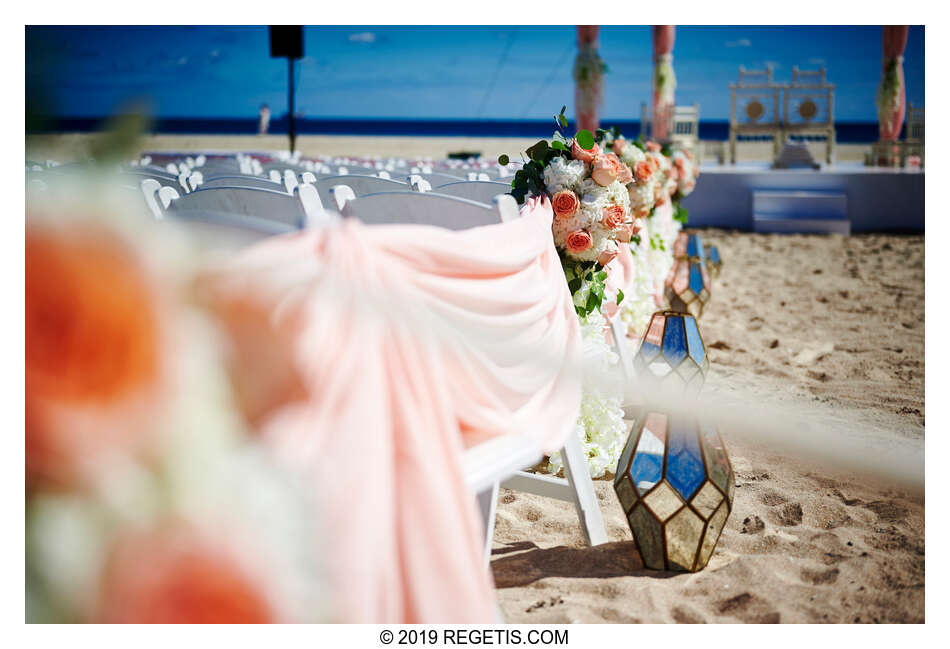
[487, 502]
[585, 499]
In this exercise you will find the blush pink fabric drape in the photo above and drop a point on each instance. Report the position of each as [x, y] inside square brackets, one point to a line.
[411, 343]
[894, 41]
[663, 38]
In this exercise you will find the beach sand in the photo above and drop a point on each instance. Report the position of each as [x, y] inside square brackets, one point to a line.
[74, 146]
[833, 325]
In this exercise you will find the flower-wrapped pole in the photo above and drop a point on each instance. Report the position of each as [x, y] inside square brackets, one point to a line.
[588, 78]
[664, 80]
[891, 95]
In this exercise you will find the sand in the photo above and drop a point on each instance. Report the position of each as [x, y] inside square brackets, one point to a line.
[74, 146]
[833, 325]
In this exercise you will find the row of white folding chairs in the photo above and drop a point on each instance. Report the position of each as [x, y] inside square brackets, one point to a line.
[431, 208]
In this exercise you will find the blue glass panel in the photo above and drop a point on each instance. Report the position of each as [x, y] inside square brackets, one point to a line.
[714, 254]
[696, 278]
[648, 350]
[674, 340]
[696, 348]
[647, 468]
[694, 247]
[684, 464]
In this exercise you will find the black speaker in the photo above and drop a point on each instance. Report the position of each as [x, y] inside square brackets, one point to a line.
[286, 41]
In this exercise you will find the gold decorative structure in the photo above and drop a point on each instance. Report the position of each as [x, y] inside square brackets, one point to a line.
[688, 288]
[713, 262]
[672, 352]
[676, 486]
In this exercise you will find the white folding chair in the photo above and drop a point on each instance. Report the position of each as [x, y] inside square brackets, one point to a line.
[498, 462]
[427, 208]
[360, 185]
[256, 203]
[227, 180]
[157, 196]
[476, 190]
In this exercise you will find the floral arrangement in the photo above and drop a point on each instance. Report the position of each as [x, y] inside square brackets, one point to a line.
[600, 425]
[605, 191]
[600, 195]
[592, 214]
[888, 98]
[148, 496]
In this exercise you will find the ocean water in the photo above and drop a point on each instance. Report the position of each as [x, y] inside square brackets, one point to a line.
[847, 132]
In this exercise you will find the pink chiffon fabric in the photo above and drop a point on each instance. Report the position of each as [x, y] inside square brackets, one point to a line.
[588, 108]
[893, 43]
[413, 343]
[663, 39]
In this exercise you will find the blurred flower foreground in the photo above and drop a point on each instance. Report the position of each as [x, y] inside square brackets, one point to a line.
[149, 498]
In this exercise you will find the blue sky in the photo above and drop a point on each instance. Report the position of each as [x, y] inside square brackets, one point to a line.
[436, 72]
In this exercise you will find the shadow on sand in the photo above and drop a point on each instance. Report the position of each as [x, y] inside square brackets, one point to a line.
[531, 563]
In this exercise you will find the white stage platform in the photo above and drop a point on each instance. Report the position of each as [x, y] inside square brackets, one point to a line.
[876, 199]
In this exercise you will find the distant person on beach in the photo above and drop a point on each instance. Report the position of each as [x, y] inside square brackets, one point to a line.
[265, 119]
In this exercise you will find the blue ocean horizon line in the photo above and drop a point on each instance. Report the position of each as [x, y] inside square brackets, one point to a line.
[846, 132]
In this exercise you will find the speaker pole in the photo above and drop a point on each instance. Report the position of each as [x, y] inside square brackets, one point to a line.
[290, 101]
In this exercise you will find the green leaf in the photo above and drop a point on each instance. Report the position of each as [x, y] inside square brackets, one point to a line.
[593, 302]
[619, 296]
[537, 150]
[560, 146]
[585, 139]
[503, 159]
[575, 284]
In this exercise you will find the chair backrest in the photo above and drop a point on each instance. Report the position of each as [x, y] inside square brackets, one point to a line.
[427, 208]
[244, 181]
[157, 196]
[915, 123]
[436, 178]
[685, 124]
[418, 183]
[361, 185]
[241, 202]
[479, 190]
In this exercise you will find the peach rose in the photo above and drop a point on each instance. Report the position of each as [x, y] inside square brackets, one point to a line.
[659, 195]
[93, 362]
[614, 217]
[626, 233]
[565, 204]
[604, 171]
[618, 145]
[678, 163]
[606, 257]
[585, 155]
[689, 154]
[579, 241]
[674, 173]
[653, 146]
[643, 212]
[624, 175]
[174, 576]
[644, 170]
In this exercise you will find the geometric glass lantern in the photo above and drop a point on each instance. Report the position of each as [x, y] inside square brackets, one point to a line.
[687, 288]
[672, 352]
[676, 486]
[713, 262]
[689, 245]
